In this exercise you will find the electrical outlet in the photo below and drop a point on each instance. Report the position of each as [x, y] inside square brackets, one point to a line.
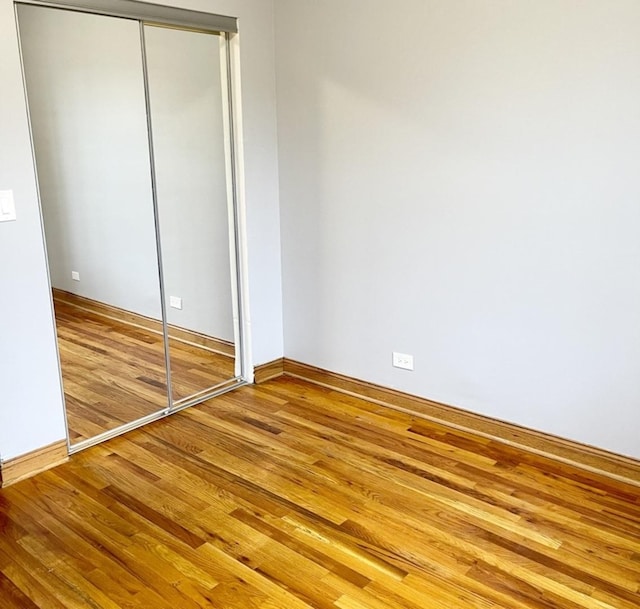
[175, 302]
[75, 275]
[402, 360]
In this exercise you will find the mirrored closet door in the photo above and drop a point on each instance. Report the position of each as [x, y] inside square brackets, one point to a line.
[185, 93]
[131, 133]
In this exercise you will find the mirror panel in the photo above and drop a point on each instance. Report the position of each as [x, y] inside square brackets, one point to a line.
[85, 87]
[185, 95]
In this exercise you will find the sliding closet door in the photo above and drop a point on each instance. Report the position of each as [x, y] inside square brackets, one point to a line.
[186, 111]
[86, 95]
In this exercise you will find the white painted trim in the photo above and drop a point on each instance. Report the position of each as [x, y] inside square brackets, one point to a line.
[235, 154]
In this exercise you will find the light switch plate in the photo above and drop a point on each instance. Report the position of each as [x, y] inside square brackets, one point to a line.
[7, 206]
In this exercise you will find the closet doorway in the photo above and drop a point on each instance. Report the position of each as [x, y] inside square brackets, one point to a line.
[132, 122]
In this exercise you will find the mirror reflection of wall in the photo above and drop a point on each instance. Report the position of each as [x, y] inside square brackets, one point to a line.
[90, 115]
[185, 92]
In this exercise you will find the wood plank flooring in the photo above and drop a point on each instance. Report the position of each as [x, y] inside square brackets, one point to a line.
[288, 495]
[114, 372]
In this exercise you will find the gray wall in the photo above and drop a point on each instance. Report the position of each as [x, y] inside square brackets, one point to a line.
[30, 401]
[31, 414]
[188, 142]
[86, 98]
[459, 181]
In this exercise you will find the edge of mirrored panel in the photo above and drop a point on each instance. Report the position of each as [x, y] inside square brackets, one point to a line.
[156, 416]
[143, 11]
[207, 394]
[156, 223]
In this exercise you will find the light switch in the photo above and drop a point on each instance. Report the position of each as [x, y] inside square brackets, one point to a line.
[7, 206]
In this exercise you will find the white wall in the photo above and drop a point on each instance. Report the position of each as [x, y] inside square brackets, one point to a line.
[31, 407]
[459, 181]
[188, 141]
[85, 87]
[31, 413]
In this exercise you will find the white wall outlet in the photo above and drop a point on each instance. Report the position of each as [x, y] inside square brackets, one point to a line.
[175, 302]
[402, 360]
[75, 275]
[7, 206]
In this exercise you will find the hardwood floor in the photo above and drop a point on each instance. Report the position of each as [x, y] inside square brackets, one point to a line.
[114, 372]
[289, 495]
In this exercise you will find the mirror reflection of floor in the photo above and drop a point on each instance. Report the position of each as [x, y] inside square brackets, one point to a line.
[114, 371]
[194, 368]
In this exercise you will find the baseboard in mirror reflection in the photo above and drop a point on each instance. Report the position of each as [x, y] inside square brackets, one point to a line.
[113, 370]
[217, 345]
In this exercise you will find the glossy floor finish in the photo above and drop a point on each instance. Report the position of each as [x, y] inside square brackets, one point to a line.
[288, 495]
[114, 372]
